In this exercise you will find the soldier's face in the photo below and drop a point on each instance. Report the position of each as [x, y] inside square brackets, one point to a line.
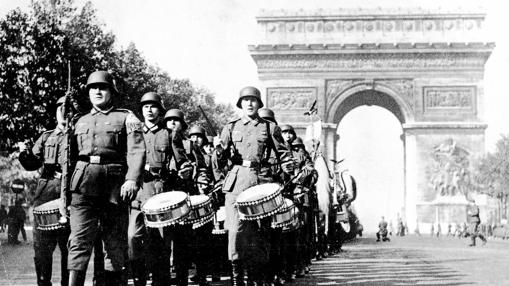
[100, 95]
[198, 140]
[208, 149]
[150, 112]
[174, 124]
[288, 136]
[250, 106]
[60, 115]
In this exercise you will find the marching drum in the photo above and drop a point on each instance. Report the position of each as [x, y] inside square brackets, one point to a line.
[259, 201]
[47, 216]
[166, 209]
[219, 221]
[201, 211]
[286, 216]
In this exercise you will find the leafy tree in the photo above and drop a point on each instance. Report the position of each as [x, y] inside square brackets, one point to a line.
[492, 173]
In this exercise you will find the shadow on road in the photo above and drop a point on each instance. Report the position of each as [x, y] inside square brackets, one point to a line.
[367, 262]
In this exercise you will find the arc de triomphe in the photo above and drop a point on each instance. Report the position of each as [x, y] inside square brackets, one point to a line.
[425, 67]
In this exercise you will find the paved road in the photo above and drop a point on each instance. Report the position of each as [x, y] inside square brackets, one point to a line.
[406, 260]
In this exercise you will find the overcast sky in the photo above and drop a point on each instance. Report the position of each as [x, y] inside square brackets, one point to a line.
[206, 41]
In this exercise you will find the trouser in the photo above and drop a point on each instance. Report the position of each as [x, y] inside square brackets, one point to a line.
[136, 241]
[289, 251]
[382, 234]
[474, 232]
[276, 257]
[45, 243]
[202, 250]
[12, 231]
[91, 216]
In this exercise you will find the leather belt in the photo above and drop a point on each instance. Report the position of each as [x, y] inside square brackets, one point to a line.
[96, 159]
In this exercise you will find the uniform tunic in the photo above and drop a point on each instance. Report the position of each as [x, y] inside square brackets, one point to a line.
[248, 142]
[109, 149]
[47, 152]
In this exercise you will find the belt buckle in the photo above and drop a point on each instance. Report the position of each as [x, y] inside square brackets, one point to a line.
[58, 175]
[246, 163]
[95, 159]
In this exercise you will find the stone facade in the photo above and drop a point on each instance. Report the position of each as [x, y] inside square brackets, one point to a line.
[426, 67]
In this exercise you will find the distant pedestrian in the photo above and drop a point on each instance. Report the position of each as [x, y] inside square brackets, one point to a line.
[449, 229]
[16, 223]
[382, 231]
[3, 217]
[432, 232]
[474, 221]
[401, 227]
[439, 229]
[391, 228]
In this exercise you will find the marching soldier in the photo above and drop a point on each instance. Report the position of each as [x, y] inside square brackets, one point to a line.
[110, 152]
[180, 234]
[248, 142]
[146, 246]
[474, 221]
[47, 152]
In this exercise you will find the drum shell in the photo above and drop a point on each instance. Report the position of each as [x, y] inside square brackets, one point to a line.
[48, 219]
[167, 216]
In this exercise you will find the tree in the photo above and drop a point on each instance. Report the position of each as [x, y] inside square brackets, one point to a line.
[492, 173]
[33, 70]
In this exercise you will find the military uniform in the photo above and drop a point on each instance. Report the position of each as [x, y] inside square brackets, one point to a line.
[474, 221]
[109, 149]
[47, 152]
[248, 143]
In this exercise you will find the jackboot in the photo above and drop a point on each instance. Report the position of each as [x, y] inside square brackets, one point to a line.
[114, 278]
[237, 273]
[76, 278]
[139, 272]
[43, 272]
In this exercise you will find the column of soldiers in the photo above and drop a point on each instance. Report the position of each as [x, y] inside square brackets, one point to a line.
[119, 162]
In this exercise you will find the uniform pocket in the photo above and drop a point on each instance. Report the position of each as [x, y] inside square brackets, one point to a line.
[112, 135]
[50, 150]
[84, 143]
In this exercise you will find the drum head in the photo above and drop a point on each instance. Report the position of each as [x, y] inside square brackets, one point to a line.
[221, 214]
[258, 192]
[198, 200]
[164, 200]
[51, 205]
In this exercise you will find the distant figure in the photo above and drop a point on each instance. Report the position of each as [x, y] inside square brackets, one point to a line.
[16, 223]
[449, 229]
[432, 232]
[439, 229]
[417, 231]
[391, 228]
[382, 231]
[401, 228]
[474, 221]
[3, 216]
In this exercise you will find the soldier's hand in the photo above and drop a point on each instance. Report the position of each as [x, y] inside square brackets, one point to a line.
[128, 190]
[287, 167]
[158, 187]
[22, 147]
[185, 171]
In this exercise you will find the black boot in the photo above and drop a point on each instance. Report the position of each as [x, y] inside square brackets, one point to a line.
[237, 273]
[43, 272]
[139, 272]
[114, 278]
[76, 278]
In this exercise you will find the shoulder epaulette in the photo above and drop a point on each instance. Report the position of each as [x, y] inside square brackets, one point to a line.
[123, 110]
[234, 120]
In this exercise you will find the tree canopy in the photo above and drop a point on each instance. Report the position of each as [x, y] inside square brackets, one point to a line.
[37, 46]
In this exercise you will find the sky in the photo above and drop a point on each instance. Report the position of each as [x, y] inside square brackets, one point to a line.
[207, 42]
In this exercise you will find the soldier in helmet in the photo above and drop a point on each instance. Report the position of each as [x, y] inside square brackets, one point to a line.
[146, 246]
[47, 153]
[267, 114]
[109, 151]
[249, 142]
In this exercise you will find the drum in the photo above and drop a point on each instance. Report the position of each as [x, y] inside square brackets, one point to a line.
[259, 201]
[47, 216]
[201, 211]
[166, 209]
[287, 216]
[219, 221]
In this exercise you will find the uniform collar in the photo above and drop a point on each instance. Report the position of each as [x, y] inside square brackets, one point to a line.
[245, 119]
[152, 129]
[96, 110]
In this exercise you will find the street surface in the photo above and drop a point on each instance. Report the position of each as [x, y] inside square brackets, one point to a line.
[408, 260]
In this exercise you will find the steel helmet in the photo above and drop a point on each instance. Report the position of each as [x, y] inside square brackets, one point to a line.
[102, 77]
[267, 114]
[176, 113]
[152, 97]
[249, 91]
[287, 128]
[198, 130]
[298, 142]
[61, 100]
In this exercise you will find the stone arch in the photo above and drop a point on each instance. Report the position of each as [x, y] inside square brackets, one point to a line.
[369, 93]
